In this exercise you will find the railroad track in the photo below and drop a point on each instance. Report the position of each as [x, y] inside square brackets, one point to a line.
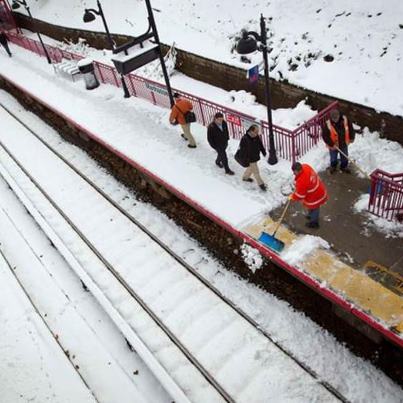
[41, 316]
[198, 299]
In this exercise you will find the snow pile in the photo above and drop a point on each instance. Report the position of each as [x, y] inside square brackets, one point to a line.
[81, 47]
[391, 229]
[372, 152]
[302, 247]
[251, 257]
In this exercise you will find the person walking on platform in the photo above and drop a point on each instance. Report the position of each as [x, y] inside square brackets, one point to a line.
[217, 137]
[179, 111]
[338, 133]
[309, 190]
[4, 42]
[248, 155]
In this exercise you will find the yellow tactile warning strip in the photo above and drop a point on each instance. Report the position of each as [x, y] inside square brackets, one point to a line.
[355, 286]
[390, 278]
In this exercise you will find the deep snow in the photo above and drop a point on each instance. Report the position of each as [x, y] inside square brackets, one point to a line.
[364, 38]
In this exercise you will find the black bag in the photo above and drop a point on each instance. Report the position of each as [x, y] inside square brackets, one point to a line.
[190, 117]
[240, 159]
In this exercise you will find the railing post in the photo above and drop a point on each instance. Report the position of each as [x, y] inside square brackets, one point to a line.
[294, 152]
[202, 113]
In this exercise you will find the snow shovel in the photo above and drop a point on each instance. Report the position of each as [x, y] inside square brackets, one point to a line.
[270, 240]
[379, 186]
[354, 163]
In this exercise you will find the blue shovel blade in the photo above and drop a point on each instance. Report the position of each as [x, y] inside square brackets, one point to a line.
[271, 242]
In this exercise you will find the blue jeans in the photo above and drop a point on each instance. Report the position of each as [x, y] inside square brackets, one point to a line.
[313, 215]
[343, 159]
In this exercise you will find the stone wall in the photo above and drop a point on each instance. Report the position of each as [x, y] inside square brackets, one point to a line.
[284, 94]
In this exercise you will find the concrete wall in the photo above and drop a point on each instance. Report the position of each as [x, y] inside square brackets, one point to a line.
[228, 77]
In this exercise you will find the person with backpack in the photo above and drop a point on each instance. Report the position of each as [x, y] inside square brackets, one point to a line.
[248, 155]
[182, 113]
[4, 42]
[217, 137]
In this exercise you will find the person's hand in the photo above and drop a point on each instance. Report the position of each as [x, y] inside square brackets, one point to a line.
[290, 197]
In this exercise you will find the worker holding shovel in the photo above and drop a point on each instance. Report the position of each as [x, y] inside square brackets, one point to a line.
[338, 133]
[309, 190]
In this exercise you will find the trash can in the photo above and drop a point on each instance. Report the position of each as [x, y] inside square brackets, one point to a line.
[86, 68]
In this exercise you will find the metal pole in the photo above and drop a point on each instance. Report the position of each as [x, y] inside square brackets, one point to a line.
[157, 39]
[272, 160]
[24, 3]
[112, 46]
[101, 13]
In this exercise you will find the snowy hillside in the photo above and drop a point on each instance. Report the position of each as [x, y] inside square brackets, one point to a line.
[362, 39]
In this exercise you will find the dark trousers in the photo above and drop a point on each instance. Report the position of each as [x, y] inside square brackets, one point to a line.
[222, 159]
[5, 46]
[313, 215]
[343, 160]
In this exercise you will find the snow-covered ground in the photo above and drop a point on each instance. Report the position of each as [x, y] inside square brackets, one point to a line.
[364, 38]
[355, 378]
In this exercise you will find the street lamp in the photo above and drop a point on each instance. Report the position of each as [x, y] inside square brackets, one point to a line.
[248, 44]
[89, 16]
[15, 6]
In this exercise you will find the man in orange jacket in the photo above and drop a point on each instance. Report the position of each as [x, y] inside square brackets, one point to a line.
[309, 190]
[178, 112]
[338, 133]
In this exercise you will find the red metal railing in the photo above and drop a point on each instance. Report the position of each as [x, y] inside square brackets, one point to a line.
[7, 20]
[290, 144]
[386, 197]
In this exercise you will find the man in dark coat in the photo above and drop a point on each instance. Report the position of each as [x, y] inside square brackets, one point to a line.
[217, 137]
[250, 148]
[4, 42]
[338, 133]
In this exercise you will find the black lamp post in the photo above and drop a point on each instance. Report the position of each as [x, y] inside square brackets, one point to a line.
[15, 6]
[248, 44]
[89, 16]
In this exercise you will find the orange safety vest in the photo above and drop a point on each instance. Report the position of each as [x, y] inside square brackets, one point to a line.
[334, 136]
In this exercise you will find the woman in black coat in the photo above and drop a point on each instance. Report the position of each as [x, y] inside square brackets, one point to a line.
[250, 148]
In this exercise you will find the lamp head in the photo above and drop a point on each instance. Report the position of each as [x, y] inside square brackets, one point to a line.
[247, 44]
[88, 16]
[15, 5]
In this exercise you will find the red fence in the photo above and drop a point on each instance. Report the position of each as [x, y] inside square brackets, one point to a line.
[386, 197]
[7, 21]
[290, 144]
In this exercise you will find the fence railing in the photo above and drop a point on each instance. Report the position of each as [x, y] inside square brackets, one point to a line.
[386, 197]
[290, 144]
[7, 20]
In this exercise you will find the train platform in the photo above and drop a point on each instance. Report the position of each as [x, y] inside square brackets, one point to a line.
[347, 261]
